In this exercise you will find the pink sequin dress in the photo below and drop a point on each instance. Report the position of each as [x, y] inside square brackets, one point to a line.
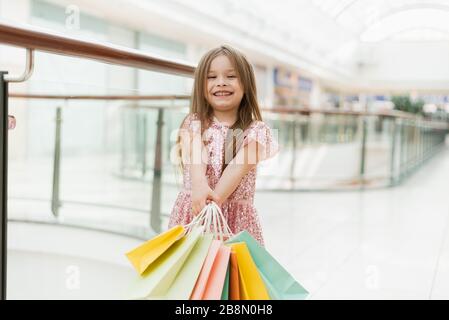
[239, 208]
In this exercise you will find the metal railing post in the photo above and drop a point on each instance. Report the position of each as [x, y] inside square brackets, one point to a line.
[137, 139]
[363, 153]
[123, 143]
[144, 144]
[155, 219]
[405, 159]
[393, 154]
[294, 150]
[415, 145]
[3, 182]
[408, 147]
[55, 201]
[401, 149]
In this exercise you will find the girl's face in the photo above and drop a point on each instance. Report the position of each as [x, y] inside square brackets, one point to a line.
[224, 91]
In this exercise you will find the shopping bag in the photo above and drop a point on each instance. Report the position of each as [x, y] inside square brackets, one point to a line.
[200, 286]
[182, 286]
[234, 282]
[211, 281]
[159, 276]
[145, 254]
[217, 277]
[252, 286]
[213, 221]
[280, 284]
[225, 292]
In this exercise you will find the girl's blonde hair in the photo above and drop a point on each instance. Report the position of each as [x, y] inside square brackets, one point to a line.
[249, 110]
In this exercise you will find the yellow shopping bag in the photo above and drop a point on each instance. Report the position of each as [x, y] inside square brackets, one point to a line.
[159, 276]
[252, 286]
[145, 254]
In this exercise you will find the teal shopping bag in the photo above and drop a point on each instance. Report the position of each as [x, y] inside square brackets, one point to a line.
[280, 284]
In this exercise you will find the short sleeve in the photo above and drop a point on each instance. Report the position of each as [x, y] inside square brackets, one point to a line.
[264, 136]
[191, 123]
[190, 126]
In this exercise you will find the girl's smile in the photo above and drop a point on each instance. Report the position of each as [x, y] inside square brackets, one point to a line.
[223, 93]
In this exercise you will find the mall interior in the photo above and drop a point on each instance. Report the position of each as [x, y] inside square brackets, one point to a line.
[353, 205]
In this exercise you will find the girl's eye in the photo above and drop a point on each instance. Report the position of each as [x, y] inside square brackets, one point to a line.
[211, 77]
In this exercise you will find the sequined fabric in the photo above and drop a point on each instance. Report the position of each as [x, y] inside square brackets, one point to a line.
[239, 208]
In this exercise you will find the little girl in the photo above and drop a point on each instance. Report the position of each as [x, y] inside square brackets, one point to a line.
[221, 141]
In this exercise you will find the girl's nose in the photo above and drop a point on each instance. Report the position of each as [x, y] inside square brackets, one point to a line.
[222, 81]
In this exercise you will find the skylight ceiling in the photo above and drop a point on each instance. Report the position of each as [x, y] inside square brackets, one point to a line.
[380, 20]
[331, 38]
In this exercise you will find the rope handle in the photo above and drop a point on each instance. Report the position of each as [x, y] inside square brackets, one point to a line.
[213, 220]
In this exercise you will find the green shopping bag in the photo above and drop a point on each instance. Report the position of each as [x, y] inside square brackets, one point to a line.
[225, 293]
[159, 276]
[183, 285]
[279, 283]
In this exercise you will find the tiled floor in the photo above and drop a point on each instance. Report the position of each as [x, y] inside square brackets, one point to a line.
[378, 244]
[382, 244]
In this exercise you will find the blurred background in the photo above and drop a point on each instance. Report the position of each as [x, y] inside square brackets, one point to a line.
[354, 205]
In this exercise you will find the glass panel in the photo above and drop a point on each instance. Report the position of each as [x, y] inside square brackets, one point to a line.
[107, 155]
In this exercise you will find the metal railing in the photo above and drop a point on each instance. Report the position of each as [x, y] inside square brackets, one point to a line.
[406, 140]
[336, 127]
[33, 39]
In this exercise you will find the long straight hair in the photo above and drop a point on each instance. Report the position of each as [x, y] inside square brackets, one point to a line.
[248, 111]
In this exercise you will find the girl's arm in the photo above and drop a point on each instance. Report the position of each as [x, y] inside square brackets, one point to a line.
[245, 160]
[197, 161]
[196, 158]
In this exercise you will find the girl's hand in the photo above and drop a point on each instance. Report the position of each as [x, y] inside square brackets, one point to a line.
[202, 195]
[11, 122]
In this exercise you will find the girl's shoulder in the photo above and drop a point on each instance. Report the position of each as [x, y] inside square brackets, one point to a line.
[258, 127]
[191, 117]
[261, 133]
[191, 122]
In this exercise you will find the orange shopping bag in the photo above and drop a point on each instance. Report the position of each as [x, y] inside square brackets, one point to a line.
[251, 286]
[234, 292]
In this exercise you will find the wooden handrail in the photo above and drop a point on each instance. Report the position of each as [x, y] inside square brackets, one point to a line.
[51, 42]
[97, 97]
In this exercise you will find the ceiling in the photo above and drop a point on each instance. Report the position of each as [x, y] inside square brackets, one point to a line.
[337, 36]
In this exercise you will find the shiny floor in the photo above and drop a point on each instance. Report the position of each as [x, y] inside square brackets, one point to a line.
[374, 244]
[380, 244]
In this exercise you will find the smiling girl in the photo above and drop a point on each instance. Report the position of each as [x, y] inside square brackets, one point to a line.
[222, 140]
